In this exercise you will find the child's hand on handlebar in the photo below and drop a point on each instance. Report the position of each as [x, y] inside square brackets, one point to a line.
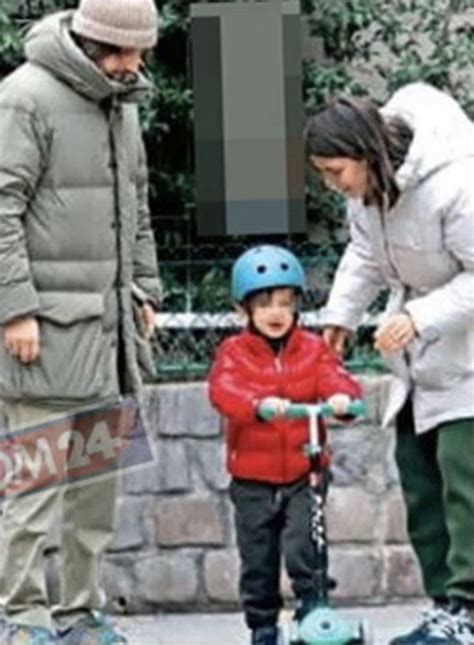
[273, 406]
[339, 404]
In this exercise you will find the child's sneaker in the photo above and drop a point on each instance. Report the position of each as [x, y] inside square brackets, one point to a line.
[436, 628]
[265, 636]
[463, 626]
[93, 630]
[304, 605]
[28, 635]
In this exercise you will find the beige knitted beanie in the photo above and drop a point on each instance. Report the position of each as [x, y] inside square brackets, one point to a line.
[131, 24]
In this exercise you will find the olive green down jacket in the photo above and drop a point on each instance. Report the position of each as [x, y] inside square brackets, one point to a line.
[75, 230]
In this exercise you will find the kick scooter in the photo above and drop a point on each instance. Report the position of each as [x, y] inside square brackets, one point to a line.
[322, 625]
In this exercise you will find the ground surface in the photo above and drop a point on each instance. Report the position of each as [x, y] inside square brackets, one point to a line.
[228, 629]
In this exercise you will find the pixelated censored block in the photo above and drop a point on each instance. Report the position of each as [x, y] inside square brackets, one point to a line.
[248, 118]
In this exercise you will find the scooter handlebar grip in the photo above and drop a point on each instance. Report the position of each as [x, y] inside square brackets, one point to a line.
[357, 408]
[266, 413]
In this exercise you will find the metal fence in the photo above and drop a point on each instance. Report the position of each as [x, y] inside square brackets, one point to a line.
[197, 310]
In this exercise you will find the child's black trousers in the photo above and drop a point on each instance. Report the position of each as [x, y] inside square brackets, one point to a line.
[272, 521]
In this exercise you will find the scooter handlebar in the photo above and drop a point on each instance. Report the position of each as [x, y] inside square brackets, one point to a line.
[303, 410]
[298, 410]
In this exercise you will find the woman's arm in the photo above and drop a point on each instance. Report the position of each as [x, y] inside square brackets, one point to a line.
[358, 280]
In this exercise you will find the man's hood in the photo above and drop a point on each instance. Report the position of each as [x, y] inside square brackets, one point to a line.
[443, 133]
[49, 44]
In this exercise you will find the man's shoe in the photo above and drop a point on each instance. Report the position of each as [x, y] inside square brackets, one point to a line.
[265, 636]
[437, 627]
[463, 621]
[92, 630]
[28, 635]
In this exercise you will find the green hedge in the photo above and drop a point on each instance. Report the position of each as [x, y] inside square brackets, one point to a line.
[352, 34]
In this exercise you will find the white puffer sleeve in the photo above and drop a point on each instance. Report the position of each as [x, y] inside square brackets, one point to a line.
[358, 279]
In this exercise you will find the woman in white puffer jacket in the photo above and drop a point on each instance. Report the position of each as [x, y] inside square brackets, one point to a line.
[407, 171]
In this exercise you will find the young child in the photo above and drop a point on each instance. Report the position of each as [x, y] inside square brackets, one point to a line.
[269, 364]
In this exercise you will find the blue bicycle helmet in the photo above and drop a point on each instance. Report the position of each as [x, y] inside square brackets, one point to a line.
[265, 267]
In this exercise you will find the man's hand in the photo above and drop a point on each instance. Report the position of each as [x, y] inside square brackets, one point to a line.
[394, 334]
[22, 339]
[147, 314]
[336, 338]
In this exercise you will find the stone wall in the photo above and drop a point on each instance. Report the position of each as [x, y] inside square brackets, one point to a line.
[175, 543]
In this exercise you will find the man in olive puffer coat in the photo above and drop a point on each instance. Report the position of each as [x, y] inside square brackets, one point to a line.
[75, 241]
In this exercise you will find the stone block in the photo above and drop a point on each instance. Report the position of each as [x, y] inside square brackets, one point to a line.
[376, 390]
[371, 395]
[180, 410]
[362, 451]
[170, 473]
[357, 572]
[359, 457]
[150, 401]
[391, 468]
[403, 572]
[129, 532]
[190, 521]
[232, 536]
[352, 515]
[120, 585]
[396, 531]
[208, 455]
[221, 576]
[167, 579]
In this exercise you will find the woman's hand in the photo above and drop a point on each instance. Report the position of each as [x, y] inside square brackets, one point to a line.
[335, 338]
[394, 334]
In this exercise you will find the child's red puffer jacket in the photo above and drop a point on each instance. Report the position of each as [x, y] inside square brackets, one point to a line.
[246, 370]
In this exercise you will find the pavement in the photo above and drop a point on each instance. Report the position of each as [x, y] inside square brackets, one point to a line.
[229, 629]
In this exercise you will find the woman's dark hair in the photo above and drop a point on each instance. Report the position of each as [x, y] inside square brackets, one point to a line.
[356, 129]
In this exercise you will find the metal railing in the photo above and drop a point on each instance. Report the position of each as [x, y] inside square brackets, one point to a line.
[197, 311]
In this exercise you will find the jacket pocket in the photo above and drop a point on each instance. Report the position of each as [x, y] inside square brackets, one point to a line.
[441, 364]
[145, 359]
[10, 373]
[74, 350]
